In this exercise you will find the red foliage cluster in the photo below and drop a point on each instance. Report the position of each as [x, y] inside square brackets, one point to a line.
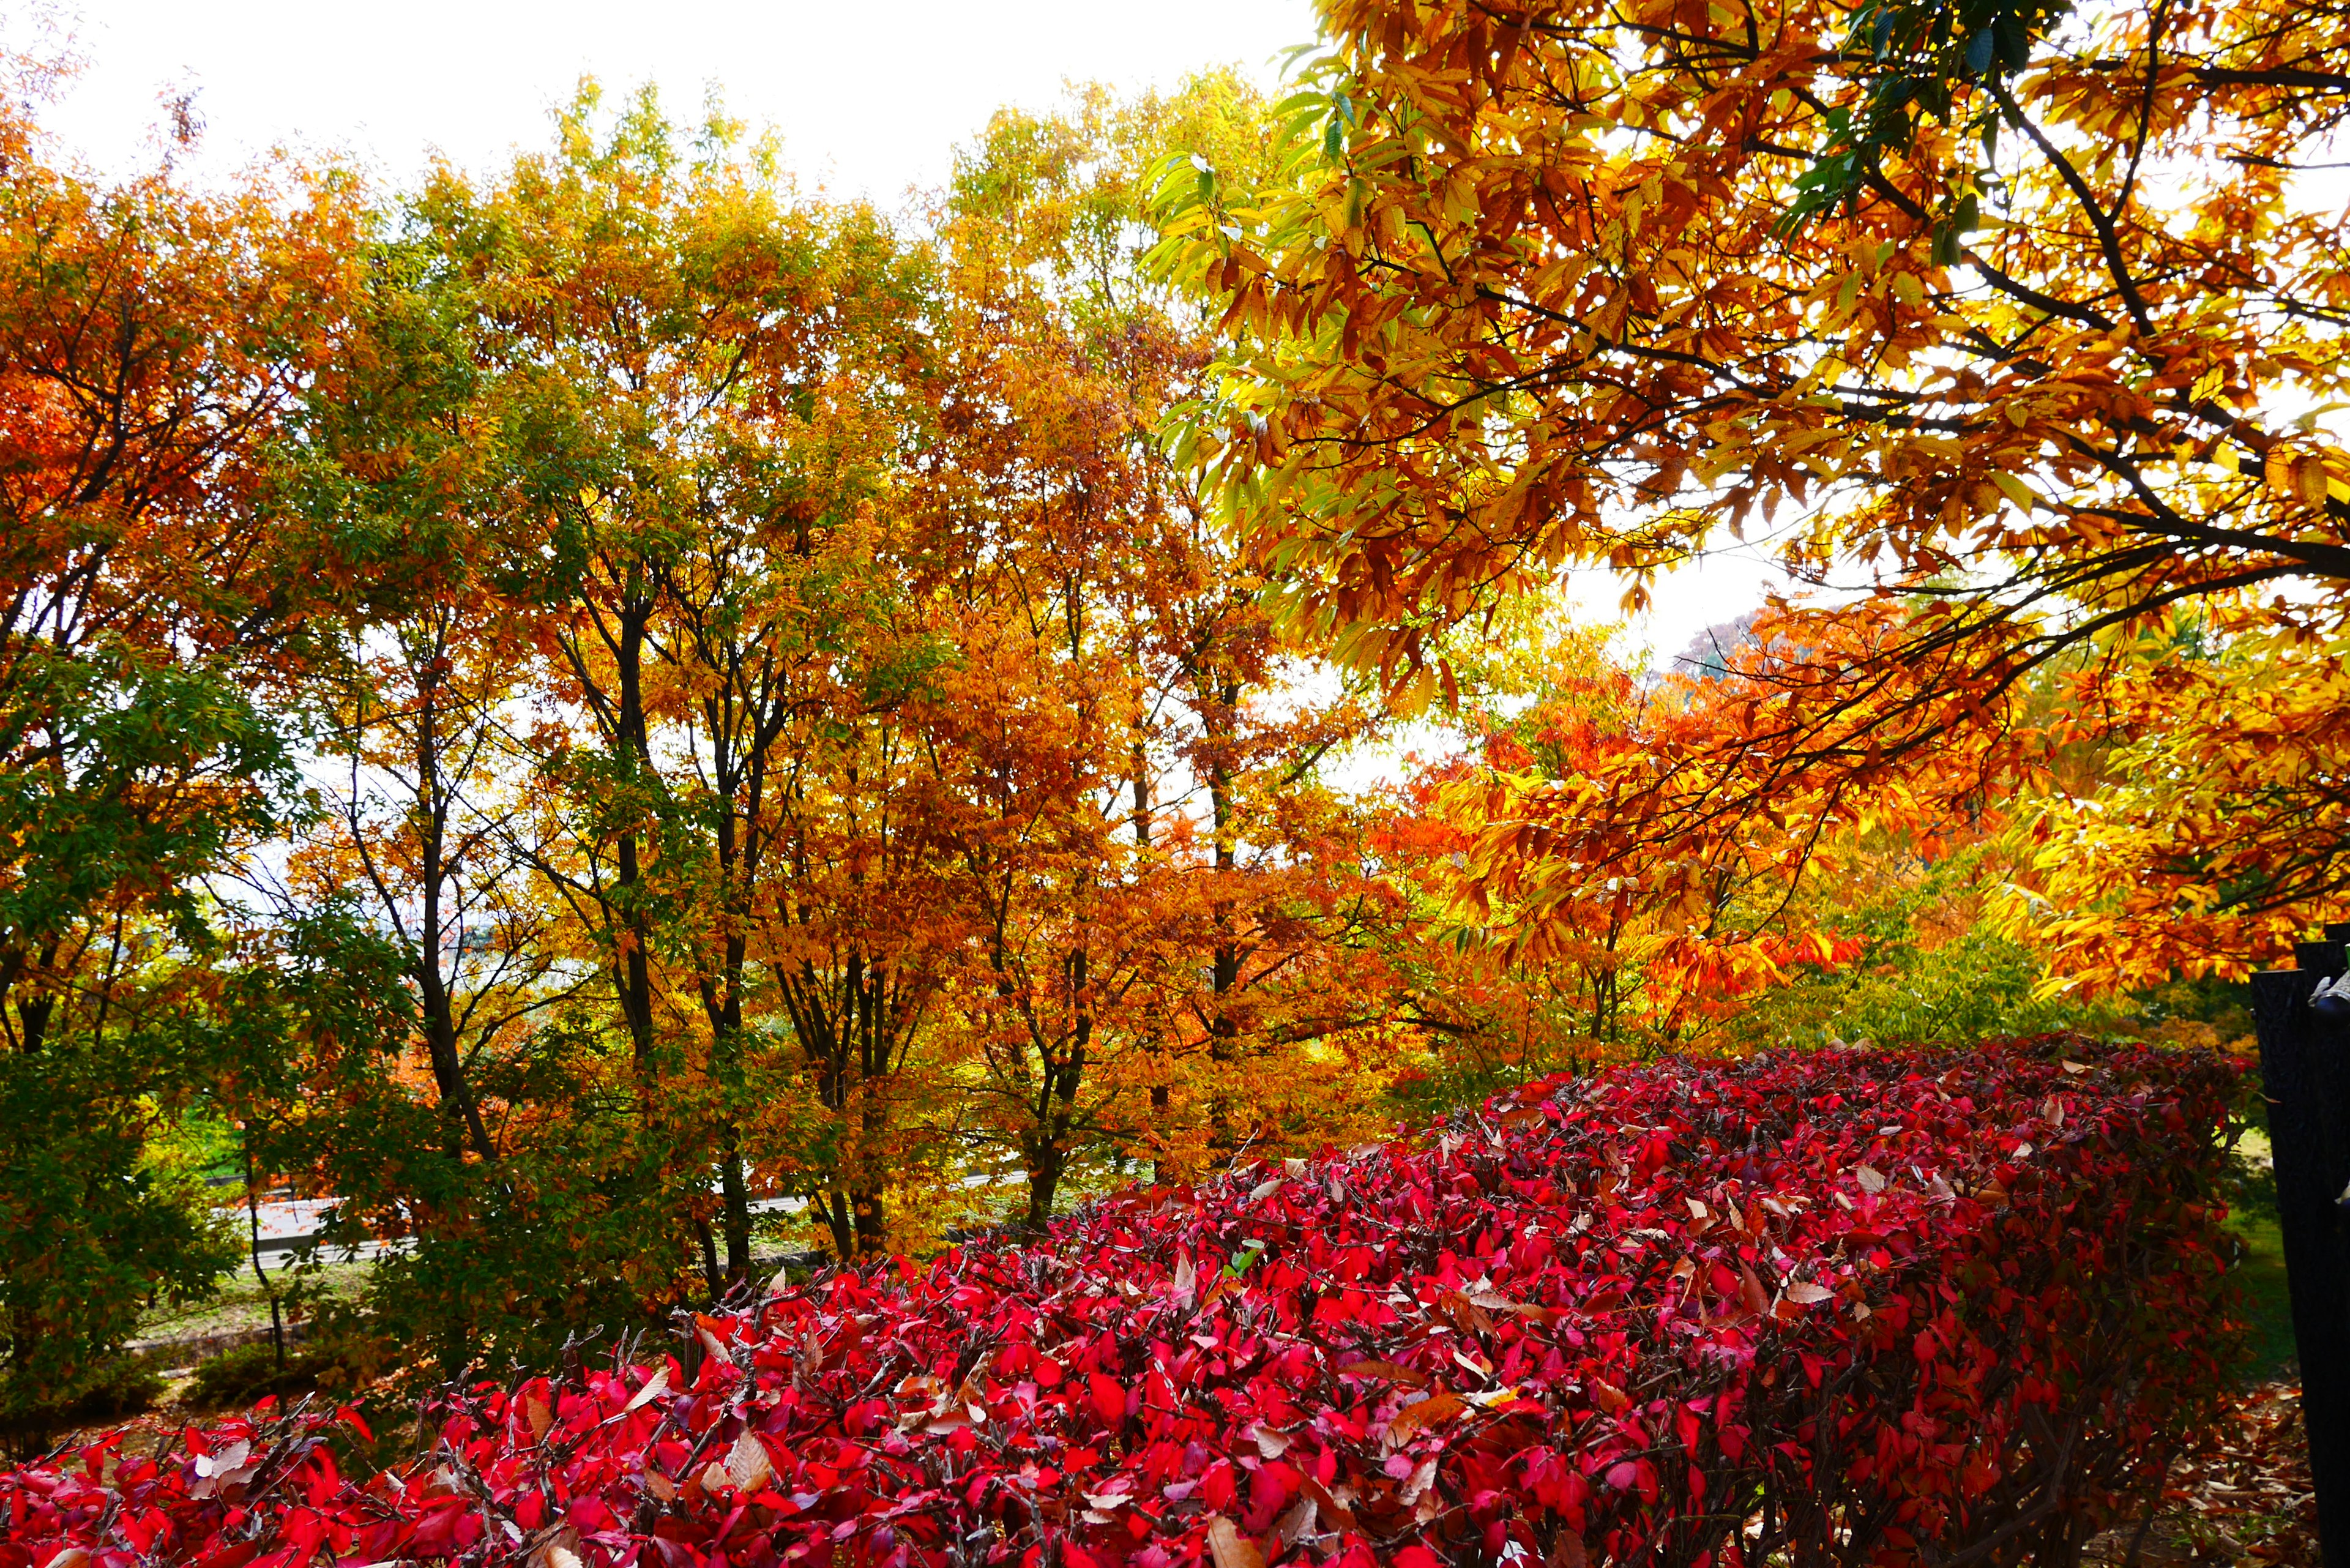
[1836, 1307]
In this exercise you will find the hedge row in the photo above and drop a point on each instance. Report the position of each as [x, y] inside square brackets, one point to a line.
[1834, 1308]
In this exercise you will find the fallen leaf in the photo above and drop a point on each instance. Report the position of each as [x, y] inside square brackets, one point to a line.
[1804, 1293]
[1871, 1178]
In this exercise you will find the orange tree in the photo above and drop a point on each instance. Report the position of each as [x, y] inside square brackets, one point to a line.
[1167, 894]
[2019, 322]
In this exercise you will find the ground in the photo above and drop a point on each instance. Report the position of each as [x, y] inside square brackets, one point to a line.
[2247, 1501]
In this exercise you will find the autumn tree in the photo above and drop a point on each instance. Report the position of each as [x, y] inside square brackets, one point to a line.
[158, 599]
[2004, 318]
[690, 367]
[1164, 887]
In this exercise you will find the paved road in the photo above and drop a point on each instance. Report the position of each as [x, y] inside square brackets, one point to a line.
[290, 1227]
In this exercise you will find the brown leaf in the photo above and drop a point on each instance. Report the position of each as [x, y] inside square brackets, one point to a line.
[535, 1411]
[1385, 1370]
[1463, 1313]
[1230, 1548]
[747, 1465]
[1434, 1410]
[1607, 1397]
[1329, 1501]
[1567, 1551]
[556, 1548]
[1297, 1523]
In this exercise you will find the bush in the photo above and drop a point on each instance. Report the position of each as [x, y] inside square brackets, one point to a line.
[96, 1222]
[1836, 1308]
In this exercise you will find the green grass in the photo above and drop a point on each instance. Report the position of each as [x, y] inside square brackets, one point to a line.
[2266, 1303]
[242, 1305]
[2252, 1219]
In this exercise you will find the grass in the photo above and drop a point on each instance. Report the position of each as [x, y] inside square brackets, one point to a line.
[2252, 1218]
[241, 1305]
[2266, 1303]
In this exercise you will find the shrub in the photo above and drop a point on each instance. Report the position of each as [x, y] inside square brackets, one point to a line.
[1810, 1309]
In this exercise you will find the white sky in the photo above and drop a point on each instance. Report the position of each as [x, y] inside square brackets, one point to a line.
[869, 99]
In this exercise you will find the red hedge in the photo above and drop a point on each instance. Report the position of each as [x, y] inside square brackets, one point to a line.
[1875, 1308]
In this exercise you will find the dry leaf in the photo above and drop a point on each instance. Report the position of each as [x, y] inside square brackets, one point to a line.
[1567, 1551]
[747, 1465]
[660, 1486]
[557, 1547]
[655, 1387]
[1333, 1502]
[1386, 1370]
[1871, 1178]
[1230, 1548]
[1607, 1397]
[1434, 1410]
[1803, 1292]
[535, 1411]
[69, 1557]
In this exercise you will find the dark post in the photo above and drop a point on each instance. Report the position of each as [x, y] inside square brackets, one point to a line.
[2305, 1078]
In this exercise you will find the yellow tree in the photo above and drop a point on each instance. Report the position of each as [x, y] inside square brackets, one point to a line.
[1157, 905]
[2019, 317]
[689, 369]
